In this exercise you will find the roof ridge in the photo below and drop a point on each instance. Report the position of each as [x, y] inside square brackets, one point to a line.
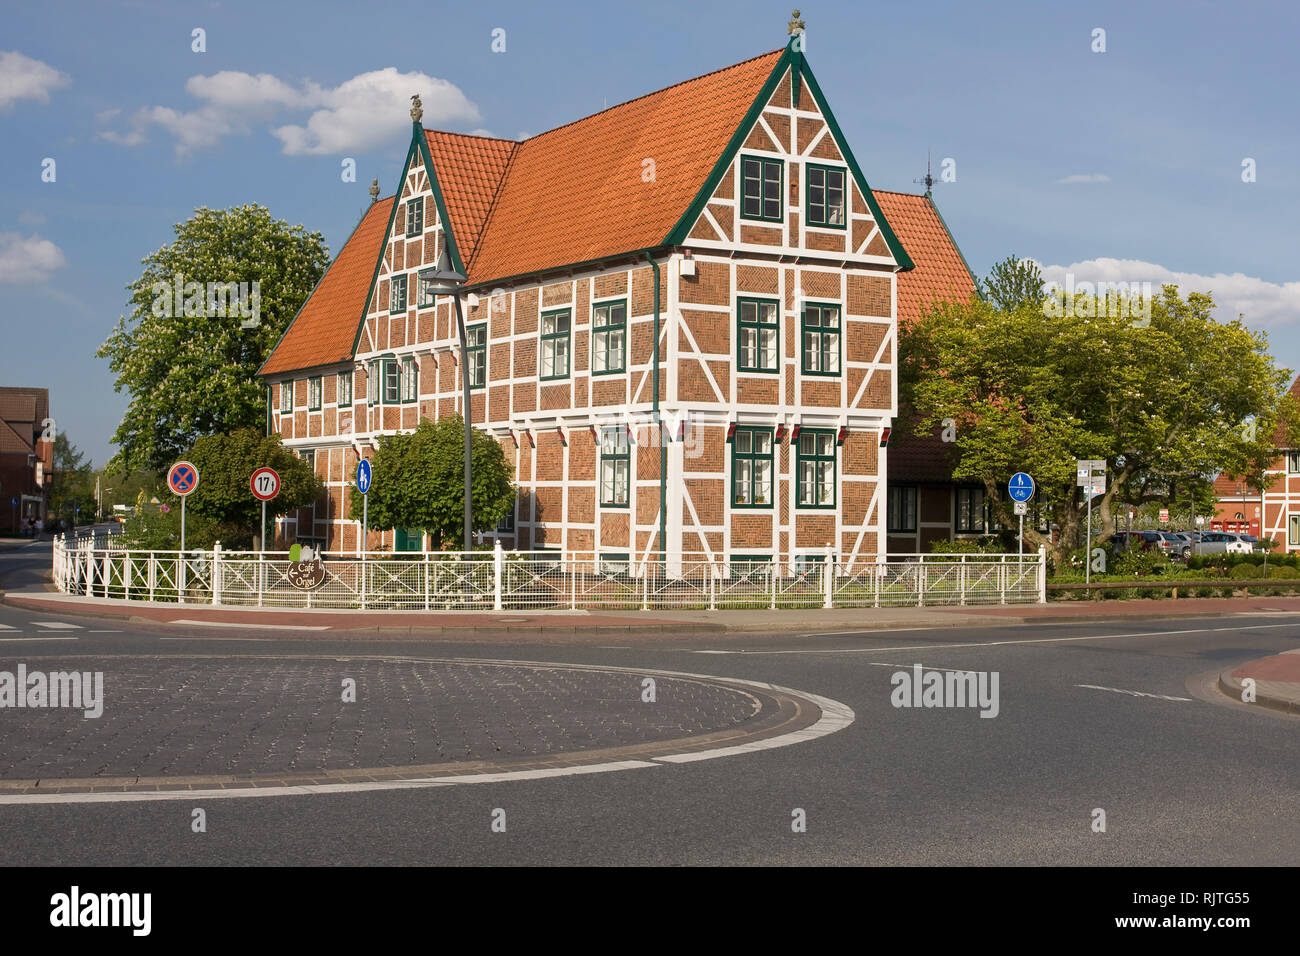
[895, 192]
[493, 139]
[665, 89]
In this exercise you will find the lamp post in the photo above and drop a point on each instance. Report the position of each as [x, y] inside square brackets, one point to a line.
[444, 280]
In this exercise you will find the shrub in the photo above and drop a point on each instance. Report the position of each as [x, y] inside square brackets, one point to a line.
[1244, 571]
[1283, 571]
[1139, 564]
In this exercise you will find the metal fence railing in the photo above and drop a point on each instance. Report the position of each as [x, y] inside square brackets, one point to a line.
[538, 580]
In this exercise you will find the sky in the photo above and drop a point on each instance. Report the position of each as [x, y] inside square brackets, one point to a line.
[1161, 149]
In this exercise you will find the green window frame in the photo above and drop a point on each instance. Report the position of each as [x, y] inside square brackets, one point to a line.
[373, 372]
[609, 337]
[415, 216]
[615, 467]
[553, 353]
[762, 182]
[613, 563]
[286, 397]
[750, 567]
[821, 336]
[314, 389]
[1293, 462]
[408, 539]
[816, 468]
[343, 389]
[309, 456]
[825, 195]
[968, 511]
[901, 511]
[1293, 529]
[409, 380]
[752, 467]
[476, 354]
[397, 294]
[392, 385]
[758, 336]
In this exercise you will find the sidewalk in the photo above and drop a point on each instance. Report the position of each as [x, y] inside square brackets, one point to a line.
[1277, 681]
[685, 623]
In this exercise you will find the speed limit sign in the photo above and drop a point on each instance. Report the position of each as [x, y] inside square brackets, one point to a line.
[265, 484]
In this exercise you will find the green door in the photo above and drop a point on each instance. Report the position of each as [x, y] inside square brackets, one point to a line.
[410, 539]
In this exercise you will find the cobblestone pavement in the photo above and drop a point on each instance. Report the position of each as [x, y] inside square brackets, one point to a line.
[165, 716]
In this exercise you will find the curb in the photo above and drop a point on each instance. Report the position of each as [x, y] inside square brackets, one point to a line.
[1231, 686]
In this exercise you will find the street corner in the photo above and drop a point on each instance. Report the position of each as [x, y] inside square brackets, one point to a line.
[1272, 682]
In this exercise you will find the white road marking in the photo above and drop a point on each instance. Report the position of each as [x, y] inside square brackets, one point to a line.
[1039, 640]
[1132, 693]
[7, 627]
[14, 640]
[258, 639]
[57, 625]
[264, 627]
[103, 632]
[835, 716]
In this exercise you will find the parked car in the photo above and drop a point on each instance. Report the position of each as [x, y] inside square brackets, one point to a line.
[1221, 542]
[1140, 541]
[1255, 543]
[1180, 543]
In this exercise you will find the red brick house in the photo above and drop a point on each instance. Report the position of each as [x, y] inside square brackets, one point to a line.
[1273, 512]
[26, 456]
[729, 212]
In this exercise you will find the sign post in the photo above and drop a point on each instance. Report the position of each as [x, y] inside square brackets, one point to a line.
[1021, 489]
[265, 485]
[1090, 475]
[182, 479]
[363, 485]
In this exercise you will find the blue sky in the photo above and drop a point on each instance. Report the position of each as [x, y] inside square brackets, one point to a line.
[1123, 164]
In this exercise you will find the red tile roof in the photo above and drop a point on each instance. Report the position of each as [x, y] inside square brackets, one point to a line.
[325, 329]
[579, 192]
[469, 171]
[940, 271]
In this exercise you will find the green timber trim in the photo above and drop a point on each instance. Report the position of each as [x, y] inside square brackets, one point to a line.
[677, 235]
[345, 358]
[943, 222]
[895, 247]
[383, 246]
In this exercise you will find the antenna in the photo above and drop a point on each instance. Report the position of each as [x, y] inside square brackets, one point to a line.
[928, 180]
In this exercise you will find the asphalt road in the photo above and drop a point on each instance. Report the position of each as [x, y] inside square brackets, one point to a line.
[1184, 775]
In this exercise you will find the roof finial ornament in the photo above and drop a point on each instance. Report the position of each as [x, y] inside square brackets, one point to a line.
[417, 109]
[928, 180]
[374, 190]
[796, 25]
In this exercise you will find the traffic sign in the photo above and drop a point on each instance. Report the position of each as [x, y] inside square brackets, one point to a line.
[1021, 487]
[1086, 468]
[363, 476]
[183, 478]
[1164, 514]
[1021, 507]
[265, 484]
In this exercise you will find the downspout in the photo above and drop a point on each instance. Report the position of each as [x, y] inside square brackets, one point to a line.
[659, 429]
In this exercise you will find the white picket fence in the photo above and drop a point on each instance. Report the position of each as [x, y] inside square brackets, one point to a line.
[532, 580]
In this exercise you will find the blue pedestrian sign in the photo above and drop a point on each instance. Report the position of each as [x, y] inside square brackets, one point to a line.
[363, 476]
[1020, 487]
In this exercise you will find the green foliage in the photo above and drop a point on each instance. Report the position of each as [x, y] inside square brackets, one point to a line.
[1244, 571]
[990, 544]
[1138, 563]
[1013, 283]
[419, 482]
[150, 528]
[1283, 571]
[193, 375]
[1167, 401]
[72, 483]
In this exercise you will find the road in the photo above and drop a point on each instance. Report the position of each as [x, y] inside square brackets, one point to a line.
[1122, 718]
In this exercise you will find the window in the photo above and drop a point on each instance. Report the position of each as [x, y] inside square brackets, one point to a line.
[825, 196]
[409, 380]
[1293, 462]
[309, 456]
[344, 388]
[397, 294]
[392, 382]
[821, 339]
[476, 350]
[1293, 529]
[751, 468]
[816, 466]
[902, 508]
[616, 564]
[426, 294]
[609, 338]
[761, 181]
[759, 335]
[408, 539]
[372, 383]
[615, 465]
[314, 394]
[415, 217]
[555, 344]
[507, 523]
[286, 396]
[750, 567]
[970, 511]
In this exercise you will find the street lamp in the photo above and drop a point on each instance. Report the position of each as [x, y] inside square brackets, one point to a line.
[444, 280]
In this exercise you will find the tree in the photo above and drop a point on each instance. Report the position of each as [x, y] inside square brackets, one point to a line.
[190, 351]
[72, 482]
[419, 481]
[1012, 283]
[1168, 401]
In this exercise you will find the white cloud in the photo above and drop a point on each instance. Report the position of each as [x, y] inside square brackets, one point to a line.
[1263, 304]
[22, 78]
[1080, 178]
[28, 259]
[369, 110]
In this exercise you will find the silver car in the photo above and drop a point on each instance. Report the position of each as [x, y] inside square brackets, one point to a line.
[1221, 542]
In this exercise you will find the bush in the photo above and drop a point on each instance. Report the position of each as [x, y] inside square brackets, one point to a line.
[1139, 564]
[986, 545]
[1244, 571]
[1282, 571]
